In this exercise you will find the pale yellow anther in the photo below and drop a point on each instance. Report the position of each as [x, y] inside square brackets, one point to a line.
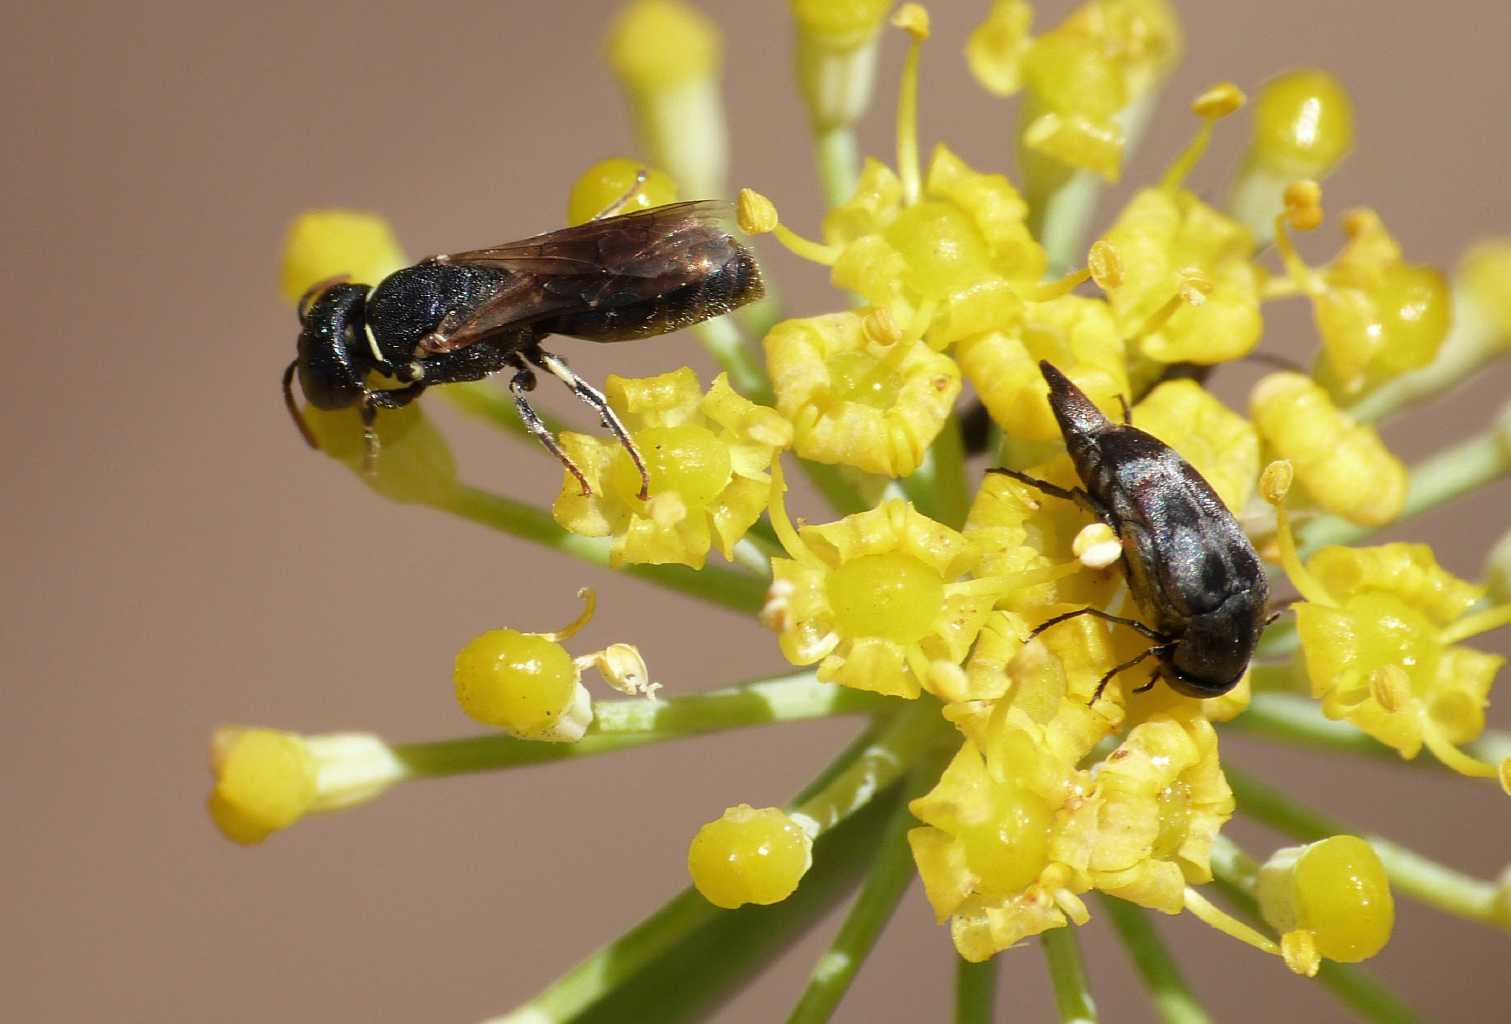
[776, 612]
[1194, 286]
[1503, 773]
[881, 327]
[1303, 204]
[623, 668]
[756, 214]
[914, 20]
[1106, 265]
[1219, 101]
[1275, 482]
[1097, 546]
[1390, 687]
[1299, 951]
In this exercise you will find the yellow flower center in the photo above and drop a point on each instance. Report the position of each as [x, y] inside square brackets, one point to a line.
[1009, 849]
[1174, 819]
[892, 596]
[1391, 633]
[687, 459]
[860, 377]
[943, 247]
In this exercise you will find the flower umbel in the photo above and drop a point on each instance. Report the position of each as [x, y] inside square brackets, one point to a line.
[991, 762]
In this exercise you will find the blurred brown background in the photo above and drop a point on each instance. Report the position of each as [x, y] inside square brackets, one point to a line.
[177, 559]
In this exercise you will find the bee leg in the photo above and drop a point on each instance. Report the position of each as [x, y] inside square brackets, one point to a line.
[1074, 494]
[1127, 412]
[1153, 678]
[618, 204]
[1133, 624]
[374, 399]
[1160, 649]
[593, 399]
[522, 384]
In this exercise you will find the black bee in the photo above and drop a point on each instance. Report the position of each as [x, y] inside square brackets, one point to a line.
[1189, 564]
[465, 316]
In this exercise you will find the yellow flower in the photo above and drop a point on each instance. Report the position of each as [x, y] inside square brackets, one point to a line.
[855, 399]
[1189, 290]
[1343, 465]
[992, 854]
[1082, 74]
[874, 597]
[1019, 530]
[1077, 334]
[1378, 315]
[707, 457]
[1161, 800]
[944, 267]
[1379, 643]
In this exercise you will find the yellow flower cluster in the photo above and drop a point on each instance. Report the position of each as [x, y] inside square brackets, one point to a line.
[1056, 788]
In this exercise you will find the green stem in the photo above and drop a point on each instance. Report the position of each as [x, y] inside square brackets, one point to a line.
[636, 722]
[917, 729]
[1067, 971]
[644, 974]
[1173, 999]
[1237, 874]
[722, 338]
[1297, 719]
[1438, 479]
[938, 487]
[480, 400]
[1410, 873]
[889, 877]
[740, 591]
[838, 163]
[975, 991]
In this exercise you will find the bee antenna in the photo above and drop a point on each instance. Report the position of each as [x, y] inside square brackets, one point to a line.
[293, 406]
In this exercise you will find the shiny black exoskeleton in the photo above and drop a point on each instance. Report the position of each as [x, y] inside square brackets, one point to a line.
[1190, 566]
[465, 316]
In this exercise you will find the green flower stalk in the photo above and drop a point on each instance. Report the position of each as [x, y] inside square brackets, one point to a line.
[1031, 780]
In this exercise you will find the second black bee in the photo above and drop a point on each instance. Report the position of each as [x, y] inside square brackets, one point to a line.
[471, 314]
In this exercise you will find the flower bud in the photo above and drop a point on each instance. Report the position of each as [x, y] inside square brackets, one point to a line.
[749, 856]
[667, 56]
[1336, 890]
[524, 684]
[609, 181]
[322, 244]
[1343, 465]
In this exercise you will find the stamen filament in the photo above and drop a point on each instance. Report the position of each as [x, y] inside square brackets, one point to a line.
[1175, 175]
[808, 249]
[777, 510]
[1064, 286]
[1227, 924]
[1001, 586]
[589, 602]
[913, 19]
